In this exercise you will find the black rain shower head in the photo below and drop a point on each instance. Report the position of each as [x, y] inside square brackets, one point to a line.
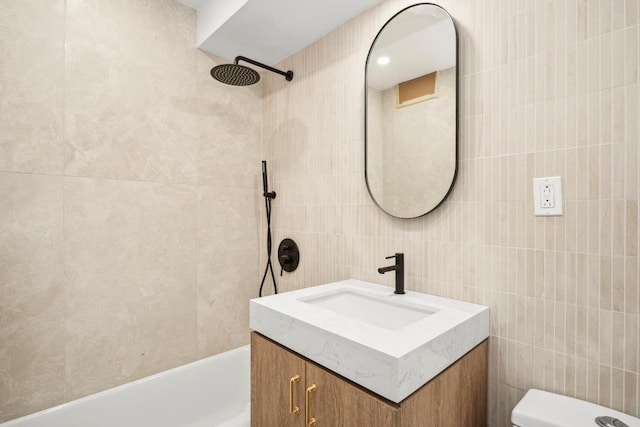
[235, 75]
[239, 75]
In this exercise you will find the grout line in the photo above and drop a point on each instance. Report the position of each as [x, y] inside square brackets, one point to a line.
[199, 207]
[233, 187]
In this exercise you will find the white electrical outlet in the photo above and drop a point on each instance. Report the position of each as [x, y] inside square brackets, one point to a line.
[547, 196]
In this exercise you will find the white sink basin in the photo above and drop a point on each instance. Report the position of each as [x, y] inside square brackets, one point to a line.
[390, 344]
[371, 309]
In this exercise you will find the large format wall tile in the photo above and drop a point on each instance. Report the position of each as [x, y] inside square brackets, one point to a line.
[139, 106]
[31, 99]
[228, 267]
[130, 90]
[131, 280]
[32, 297]
[229, 142]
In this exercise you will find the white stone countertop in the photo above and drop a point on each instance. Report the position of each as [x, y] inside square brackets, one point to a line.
[391, 363]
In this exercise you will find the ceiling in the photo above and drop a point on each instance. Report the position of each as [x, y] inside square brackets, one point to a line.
[269, 30]
[417, 42]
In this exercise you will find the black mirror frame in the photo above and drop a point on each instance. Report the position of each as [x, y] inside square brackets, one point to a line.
[457, 126]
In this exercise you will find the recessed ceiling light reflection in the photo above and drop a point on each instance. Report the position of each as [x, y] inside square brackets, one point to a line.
[383, 60]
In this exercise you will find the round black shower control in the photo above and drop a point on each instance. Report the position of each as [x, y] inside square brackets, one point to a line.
[288, 255]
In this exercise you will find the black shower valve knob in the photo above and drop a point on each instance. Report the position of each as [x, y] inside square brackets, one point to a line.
[285, 259]
[288, 255]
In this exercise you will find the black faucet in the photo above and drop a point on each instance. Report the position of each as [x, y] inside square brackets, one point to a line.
[399, 269]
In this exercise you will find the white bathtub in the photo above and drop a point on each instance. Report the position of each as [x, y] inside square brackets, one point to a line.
[212, 392]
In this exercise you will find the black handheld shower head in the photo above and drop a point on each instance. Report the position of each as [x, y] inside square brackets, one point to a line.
[268, 196]
[265, 184]
[239, 75]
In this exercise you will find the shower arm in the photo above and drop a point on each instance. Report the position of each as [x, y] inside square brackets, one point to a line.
[287, 75]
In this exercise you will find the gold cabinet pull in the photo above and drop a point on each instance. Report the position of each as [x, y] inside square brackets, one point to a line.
[310, 420]
[293, 409]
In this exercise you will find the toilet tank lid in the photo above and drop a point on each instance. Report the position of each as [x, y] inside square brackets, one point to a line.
[543, 409]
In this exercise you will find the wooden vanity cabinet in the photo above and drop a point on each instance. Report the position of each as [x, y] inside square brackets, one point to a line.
[335, 402]
[455, 398]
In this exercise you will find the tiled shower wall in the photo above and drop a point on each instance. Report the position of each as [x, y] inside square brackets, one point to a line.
[546, 88]
[128, 198]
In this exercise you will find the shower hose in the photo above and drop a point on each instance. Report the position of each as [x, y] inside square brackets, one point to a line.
[267, 203]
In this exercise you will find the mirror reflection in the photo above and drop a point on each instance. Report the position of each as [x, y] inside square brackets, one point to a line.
[411, 111]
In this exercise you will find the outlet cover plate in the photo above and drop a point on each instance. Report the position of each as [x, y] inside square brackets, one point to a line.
[547, 187]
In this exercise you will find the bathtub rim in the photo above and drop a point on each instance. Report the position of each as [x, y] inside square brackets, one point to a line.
[43, 412]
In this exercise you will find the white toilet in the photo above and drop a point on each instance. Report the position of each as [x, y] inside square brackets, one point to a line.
[543, 409]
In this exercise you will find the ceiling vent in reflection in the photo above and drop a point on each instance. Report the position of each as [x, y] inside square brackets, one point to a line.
[417, 90]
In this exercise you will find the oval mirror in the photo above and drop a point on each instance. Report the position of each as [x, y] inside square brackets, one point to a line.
[411, 113]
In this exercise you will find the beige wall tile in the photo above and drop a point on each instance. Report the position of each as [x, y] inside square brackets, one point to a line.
[545, 88]
[631, 228]
[130, 262]
[630, 346]
[617, 283]
[31, 97]
[32, 296]
[229, 134]
[631, 158]
[617, 328]
[630, 392]
[228, 266]
[631, 285]
[130, 91]
[140, 105]
[617, 389]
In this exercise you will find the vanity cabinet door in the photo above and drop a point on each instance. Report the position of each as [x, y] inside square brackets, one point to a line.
[272, 371]
[336, 402]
